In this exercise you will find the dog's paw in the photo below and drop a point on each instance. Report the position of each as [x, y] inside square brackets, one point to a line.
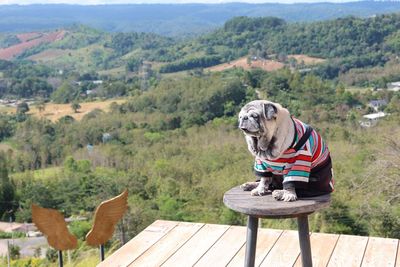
[287, 195]
[277, 194]
[259, 191]
[249, 186]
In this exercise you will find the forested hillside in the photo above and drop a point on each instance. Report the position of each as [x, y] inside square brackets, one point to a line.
[346, 44]
[177, 149]
[171, 135]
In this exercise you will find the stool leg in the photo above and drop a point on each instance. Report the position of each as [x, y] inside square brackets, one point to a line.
[251, 241]
[304, 238]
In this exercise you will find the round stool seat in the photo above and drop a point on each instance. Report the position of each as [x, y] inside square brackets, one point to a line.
[267, 207]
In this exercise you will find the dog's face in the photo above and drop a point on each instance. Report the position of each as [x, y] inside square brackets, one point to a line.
[262, 122]
[249, 121]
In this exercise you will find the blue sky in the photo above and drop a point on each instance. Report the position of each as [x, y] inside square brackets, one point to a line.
[101, 2]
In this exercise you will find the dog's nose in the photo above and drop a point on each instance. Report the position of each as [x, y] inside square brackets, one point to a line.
[242, 125]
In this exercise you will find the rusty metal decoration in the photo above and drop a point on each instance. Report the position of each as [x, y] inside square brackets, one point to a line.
[52, 224]
[107, 215]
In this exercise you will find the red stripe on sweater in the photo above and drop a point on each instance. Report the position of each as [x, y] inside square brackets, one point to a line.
[301, 168]
[318, 150]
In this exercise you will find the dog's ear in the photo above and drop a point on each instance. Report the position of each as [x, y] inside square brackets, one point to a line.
[270, 111]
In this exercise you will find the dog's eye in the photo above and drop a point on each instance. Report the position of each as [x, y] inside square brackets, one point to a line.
[255, 116]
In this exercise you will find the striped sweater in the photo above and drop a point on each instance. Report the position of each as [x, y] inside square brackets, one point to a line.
[295, 166]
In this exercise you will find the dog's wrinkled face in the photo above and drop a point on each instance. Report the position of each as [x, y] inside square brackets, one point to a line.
[257, 121]
[249, 121]
[253, 116]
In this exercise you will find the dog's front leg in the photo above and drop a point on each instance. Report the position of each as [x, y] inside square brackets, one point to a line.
[249, 186]
[262, 188]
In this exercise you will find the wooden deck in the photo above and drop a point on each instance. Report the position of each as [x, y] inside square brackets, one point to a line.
[179, 244]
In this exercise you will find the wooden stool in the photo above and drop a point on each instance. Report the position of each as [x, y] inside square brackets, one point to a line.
[267, 207]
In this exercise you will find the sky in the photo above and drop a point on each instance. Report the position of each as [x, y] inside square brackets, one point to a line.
[102, 2]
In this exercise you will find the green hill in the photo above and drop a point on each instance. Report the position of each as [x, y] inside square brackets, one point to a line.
[371, 40]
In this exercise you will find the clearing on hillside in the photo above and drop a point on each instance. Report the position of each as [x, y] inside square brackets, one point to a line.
[307, 60]
[267, 65]
[48, 55]
[5, 147]
[29, 40]
[54, 112]
[25, 37]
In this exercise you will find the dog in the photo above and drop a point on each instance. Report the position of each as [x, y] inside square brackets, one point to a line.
[291, 158]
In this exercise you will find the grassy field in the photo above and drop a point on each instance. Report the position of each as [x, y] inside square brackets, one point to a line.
[82, 59]
[5, 147]
[6, 109]
[307, 60]
[54, 112]
[49, 55]
[265, 64]
[357, 89]
[116, 72]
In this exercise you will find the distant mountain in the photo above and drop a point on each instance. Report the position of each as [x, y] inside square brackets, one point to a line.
[174, 19]
[355, 42]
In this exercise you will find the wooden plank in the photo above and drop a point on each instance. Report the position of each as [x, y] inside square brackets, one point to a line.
[167, 245]
[139, 244]
[221, 253]
[349, 251]
[285, 251]
[265, 241]
[380, 252]
[398, 255]
[197, 246]
[322, 246]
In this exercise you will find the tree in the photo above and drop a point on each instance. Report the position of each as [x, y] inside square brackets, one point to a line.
[134, 64]
[75, 106]
[22, 108]
[15, 252]
[80, 228]
[41, 105]
[112, 89]
[248, 60]
[191, 63]
[394, 105]
[7, 191]
[65, 93]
